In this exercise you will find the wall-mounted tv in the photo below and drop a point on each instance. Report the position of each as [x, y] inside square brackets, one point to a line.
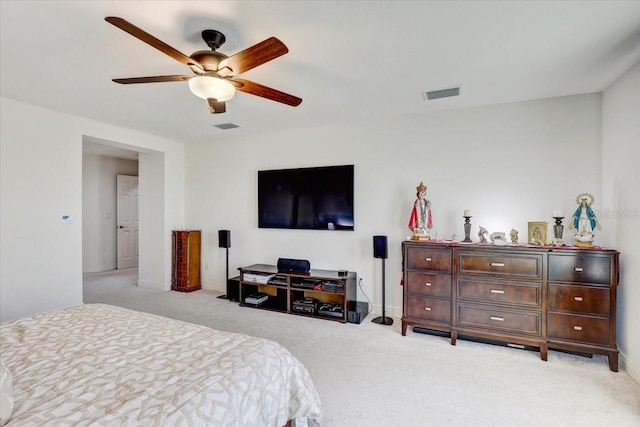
[318, 198]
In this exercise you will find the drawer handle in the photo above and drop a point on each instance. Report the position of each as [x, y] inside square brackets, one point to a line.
[497, 291]
[577, 328]
[500, 319]
[577, 298]
[497, 264]
[428, 308]
[578, 269]
[428, 259]
[427, 284]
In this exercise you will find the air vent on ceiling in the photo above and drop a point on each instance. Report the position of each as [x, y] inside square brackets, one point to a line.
[226, 126]
[441, 93]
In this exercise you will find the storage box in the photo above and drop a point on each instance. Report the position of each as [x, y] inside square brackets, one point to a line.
[357, 311]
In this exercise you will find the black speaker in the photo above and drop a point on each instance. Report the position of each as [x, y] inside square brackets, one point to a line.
[380, 251]
[289, 265]
[224, 241]
[224, 238]
[380, 247]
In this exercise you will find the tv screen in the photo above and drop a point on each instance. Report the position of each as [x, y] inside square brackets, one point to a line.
[319, 198]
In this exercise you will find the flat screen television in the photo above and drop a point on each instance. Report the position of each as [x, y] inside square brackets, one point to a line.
[318, 198]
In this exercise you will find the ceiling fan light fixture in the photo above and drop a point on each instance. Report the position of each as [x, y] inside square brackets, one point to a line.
[206, 87]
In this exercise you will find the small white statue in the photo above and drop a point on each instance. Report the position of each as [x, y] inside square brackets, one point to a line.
[514, 236]
[482, 234]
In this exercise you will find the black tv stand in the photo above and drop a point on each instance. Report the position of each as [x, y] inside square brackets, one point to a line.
[335, 292]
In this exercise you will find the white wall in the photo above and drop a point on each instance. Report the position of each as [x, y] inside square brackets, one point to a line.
[621, 176]
[509, 164]
[40, 258]
[99, 213]
[155, 190]
[41, 179]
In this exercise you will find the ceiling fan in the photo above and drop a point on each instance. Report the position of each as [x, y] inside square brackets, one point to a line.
[214, 72]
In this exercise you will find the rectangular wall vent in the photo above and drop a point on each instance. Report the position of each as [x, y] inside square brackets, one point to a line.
[442, 93]
[226, 126]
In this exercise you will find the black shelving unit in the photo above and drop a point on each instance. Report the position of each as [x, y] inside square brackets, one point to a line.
[332, 289]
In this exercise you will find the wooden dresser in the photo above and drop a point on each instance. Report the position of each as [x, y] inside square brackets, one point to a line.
[543, 297]
[185, 257]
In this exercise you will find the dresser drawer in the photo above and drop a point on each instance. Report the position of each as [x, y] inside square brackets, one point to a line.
[525, 266]
[425, 258]
[583, 269]
[437, 285]
[579, 299]
[429, 309]
[523, 294]
[585, 329]
[514, 321]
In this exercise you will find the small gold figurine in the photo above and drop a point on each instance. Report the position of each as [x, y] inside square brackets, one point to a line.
[514, 236]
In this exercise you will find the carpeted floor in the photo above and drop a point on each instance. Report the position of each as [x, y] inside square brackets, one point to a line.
[370, 375]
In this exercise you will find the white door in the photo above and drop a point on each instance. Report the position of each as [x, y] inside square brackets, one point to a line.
[127, 221]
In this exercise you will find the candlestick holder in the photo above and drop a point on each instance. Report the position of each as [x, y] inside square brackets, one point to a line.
[467, 229]
[557, 231]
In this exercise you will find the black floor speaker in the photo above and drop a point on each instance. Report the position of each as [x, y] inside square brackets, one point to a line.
[380, 251]
[224, 241]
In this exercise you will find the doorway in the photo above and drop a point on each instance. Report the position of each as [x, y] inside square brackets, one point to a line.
[99, 209]
[127, 220]
[100, 166]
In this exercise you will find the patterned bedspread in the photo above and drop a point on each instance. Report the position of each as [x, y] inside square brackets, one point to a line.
[97, 364]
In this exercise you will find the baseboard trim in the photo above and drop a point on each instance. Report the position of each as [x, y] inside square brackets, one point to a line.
[395, 312]
[150, 285]
[629, 367]
[215, 287]
[98, 269]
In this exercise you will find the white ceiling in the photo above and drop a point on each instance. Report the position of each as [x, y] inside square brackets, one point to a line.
[347, 60]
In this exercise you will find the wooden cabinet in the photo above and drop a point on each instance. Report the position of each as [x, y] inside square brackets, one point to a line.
[331, 293]
[185, 260]
[581, 313]
[543, 297]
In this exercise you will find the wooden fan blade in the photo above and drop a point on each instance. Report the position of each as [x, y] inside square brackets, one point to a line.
[251, 57]
[128, 27]
[266, 92]
[154, 79]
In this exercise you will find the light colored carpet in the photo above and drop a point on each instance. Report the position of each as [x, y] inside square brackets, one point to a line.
[370, 375]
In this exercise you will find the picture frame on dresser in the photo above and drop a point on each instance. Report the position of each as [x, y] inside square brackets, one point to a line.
[537, 233]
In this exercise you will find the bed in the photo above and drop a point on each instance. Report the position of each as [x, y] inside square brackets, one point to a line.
[97, 364]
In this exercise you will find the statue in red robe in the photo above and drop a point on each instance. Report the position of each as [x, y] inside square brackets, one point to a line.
[420, 221]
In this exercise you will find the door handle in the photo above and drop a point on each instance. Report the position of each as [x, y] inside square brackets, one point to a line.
[121, 226]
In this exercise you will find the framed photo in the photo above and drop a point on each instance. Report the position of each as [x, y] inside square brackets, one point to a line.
[537, 235]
